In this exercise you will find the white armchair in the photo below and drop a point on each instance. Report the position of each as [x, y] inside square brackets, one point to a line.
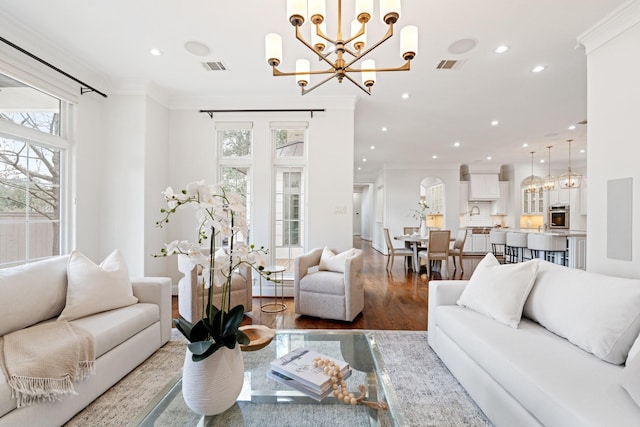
[328, 294]
[190, 290]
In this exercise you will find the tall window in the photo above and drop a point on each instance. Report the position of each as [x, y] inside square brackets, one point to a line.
[289, 195]
[31, 164]
[235, 148]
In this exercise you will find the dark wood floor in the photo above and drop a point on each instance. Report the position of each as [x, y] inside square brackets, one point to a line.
[393, 300]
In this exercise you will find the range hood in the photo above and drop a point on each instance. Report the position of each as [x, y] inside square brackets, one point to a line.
[483, 187]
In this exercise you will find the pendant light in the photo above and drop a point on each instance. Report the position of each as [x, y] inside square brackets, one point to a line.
[570, 179]
[533, 183]
[549, 181]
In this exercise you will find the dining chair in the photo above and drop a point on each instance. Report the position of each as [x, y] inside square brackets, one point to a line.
[394, 252]
[458, 247]
[410, 230]
[437, 250]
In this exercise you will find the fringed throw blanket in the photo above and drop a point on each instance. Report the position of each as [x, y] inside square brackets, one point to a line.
[42, 362]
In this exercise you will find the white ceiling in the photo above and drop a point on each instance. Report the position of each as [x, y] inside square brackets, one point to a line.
[113, 38]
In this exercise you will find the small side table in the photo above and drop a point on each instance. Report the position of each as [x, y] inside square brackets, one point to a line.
[277, 306]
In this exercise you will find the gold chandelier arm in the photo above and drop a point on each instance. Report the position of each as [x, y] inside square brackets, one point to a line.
[277, 72]
[304, 42]
[382, 40]
[305, 91]
[405, 67]
[368, 92]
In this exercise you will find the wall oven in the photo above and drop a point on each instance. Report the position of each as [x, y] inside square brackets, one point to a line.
[559, 217]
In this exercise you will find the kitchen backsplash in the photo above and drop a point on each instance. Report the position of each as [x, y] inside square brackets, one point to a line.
[481, 216]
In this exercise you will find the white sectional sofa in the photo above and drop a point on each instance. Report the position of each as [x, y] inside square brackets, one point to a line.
[571, 360]
[123, 337]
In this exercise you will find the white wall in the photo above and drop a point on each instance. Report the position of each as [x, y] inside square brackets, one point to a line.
[613, 67]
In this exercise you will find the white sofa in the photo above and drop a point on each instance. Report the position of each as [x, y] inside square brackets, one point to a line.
[123, 337]
[545, 371]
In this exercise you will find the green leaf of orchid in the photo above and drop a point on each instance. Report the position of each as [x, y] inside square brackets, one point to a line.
[242, 338]
[184, 326]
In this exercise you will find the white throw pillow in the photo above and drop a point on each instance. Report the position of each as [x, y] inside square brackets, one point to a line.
[92, 289]
[332, 262]
[631, 379]
[499, 291]
[598, 313]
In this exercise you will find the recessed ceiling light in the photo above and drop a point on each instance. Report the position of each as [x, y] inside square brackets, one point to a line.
[373, 147]
[384, 129]
[434, 156]
[155, 52]
[489, 157]
[572, 127]
[582, 151]
[364, 160]
[495, 123]
[359, 168]
[541, 160]
[538, 68]
[501, 49]
[525, 145]
[405, 96]
[456, 144]
[197, 48]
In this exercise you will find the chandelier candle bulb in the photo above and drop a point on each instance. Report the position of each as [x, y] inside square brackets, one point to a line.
[317, 11]
[359, 42]
[409, 42]
[273, 49]
[296, 11]
[390, 11]
[364, 10]
[302, 70]
[368, 77]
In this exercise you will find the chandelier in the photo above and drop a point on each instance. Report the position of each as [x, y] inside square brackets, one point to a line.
[570, 179]
[348, 51]
[549, 181]
[533, 183]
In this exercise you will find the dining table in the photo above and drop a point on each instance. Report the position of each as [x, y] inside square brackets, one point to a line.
[415, 241]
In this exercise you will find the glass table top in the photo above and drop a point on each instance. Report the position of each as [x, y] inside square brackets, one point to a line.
[266, 402]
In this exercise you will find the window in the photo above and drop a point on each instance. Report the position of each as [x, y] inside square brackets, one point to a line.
[235, 141]
[288, 140]
[31, 165]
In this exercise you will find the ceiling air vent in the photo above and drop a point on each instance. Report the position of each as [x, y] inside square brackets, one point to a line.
[449, 64]
[214, 66]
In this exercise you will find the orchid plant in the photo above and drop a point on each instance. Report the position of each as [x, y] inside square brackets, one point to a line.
[221, 214]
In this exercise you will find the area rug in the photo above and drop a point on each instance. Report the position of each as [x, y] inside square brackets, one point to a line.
[428, 394]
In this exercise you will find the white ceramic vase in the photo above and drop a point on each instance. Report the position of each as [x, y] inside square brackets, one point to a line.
[424, 230]
[211, 386]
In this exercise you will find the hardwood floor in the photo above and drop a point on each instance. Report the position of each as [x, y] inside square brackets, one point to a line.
[393, 300]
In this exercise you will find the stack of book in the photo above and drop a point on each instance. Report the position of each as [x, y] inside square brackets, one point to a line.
[296, 370]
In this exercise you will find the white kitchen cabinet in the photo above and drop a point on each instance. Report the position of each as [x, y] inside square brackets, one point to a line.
[484, 187]
[577, 246]
[435, 199]
[501, 206]
[464, 197]
[480, 243]
[532, 202]
[560, 196]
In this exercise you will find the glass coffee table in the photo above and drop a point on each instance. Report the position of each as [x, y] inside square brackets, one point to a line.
[266, 402]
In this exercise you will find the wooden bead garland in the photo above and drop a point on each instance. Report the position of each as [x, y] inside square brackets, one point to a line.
[340, 386]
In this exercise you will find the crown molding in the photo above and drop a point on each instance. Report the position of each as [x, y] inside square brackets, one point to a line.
[611, 26]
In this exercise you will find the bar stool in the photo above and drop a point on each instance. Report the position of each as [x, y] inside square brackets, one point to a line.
[552, 247]
[517, 242]
[498, 238]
